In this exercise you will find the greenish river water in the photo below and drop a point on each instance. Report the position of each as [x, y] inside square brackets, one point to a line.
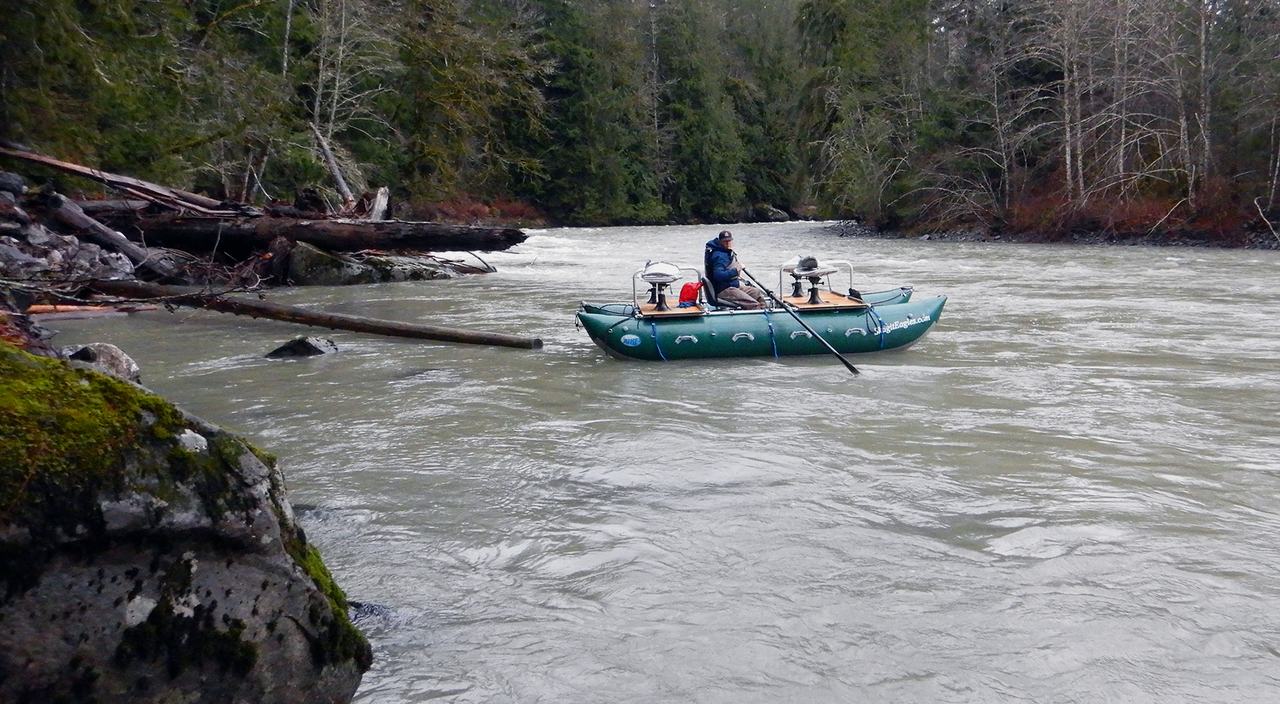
[1069, 491]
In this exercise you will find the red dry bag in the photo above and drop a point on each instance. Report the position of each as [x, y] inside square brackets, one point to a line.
[689, 293]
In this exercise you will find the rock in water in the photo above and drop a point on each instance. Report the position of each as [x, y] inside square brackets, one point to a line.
[105, 358]
[303, 347]
[147, 556]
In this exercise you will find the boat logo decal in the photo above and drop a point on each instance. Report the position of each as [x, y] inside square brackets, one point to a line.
[687, 338]
[631, 340]
[798, 333]
[747, 335]
[901, 324]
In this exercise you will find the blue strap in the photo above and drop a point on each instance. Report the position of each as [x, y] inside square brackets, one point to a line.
[772, 339]
[879, 324]
[654, 327]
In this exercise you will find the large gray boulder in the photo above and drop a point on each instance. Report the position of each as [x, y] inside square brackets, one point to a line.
[147, 556]
[311, 266]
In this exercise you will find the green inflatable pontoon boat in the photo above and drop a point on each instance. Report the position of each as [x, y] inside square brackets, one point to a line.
[655, 331]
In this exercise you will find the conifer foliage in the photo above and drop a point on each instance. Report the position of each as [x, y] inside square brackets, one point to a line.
[1039, 114]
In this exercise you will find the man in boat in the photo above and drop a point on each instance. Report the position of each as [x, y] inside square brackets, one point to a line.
[723, 270]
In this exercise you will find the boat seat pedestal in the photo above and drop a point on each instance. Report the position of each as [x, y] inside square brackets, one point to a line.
[658, 295]
[815, 277]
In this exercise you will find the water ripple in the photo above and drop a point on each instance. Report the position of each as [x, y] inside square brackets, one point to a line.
[1067, 492]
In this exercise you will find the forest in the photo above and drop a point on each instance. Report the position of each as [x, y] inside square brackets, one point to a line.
[1045, 116]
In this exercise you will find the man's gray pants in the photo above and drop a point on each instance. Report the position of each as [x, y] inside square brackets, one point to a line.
[746, 297]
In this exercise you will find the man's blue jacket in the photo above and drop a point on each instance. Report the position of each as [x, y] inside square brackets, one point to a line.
[716, 261]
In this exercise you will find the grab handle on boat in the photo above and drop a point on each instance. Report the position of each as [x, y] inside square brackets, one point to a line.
[687, 338]
[798, 333]
[741, 335]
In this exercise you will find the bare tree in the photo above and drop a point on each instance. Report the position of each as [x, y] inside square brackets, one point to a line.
[355, 58]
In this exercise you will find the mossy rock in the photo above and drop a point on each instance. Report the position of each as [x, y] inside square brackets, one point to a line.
[113, 499]
[66, 435]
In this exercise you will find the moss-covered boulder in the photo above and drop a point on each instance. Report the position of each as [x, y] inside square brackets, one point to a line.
[148, 556]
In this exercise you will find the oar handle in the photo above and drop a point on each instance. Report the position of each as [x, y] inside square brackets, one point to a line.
[848, 365]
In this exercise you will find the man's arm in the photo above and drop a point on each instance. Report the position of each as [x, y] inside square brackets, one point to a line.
[720, 271]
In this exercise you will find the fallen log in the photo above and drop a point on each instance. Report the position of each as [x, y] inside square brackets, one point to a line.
[65, 312]
[200, 298]
[174, 198]
[200, 234]
[108, 209]
[61, 210]
[348, 200]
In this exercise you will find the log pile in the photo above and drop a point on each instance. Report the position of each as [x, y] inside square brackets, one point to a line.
[194, 249]
[201, 233]
[170, 217]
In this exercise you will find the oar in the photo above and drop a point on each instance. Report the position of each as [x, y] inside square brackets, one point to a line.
[803, 324]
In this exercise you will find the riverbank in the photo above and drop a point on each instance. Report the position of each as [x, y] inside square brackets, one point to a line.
[1242, 239]
[508, 213]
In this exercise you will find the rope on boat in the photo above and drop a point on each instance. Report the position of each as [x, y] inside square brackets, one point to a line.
[654, 327]
[772, 339]
[871, 312]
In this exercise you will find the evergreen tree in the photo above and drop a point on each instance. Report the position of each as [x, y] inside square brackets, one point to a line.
[597, 151]
[762, 86]
[471, 89]
[702, 148]
[864, 100]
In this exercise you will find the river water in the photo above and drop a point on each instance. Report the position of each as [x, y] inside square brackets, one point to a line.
[1069, 491]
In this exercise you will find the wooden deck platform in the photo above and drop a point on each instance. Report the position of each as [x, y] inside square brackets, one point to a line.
[650, 310]
[830, 301]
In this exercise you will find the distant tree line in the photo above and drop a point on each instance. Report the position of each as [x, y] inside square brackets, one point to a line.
[1034, 114]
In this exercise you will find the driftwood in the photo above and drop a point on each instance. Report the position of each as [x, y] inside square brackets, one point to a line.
[200, 234]
[68, 214]
[111, 209]
[155, 193]
[198, 298]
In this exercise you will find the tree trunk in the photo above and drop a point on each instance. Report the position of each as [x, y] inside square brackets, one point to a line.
[347, 199]
[199, 298]
[1205, 117]
[198, 234]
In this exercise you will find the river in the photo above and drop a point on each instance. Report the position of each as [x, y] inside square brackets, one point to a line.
[1069, 491]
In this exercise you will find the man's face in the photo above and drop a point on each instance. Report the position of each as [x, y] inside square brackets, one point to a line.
[728, 243]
